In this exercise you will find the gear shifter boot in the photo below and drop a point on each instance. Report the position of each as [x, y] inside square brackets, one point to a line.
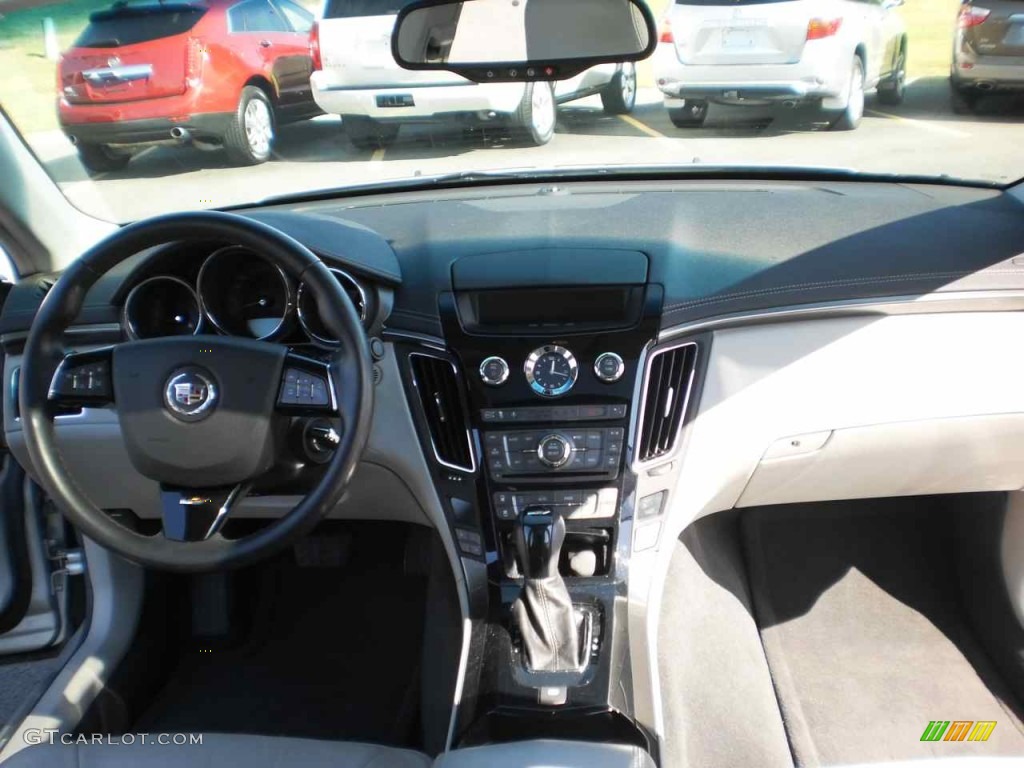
[544, 613]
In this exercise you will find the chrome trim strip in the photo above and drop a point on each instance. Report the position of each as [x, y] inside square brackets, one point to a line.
[125, 73]
[362, 311]
[126, 320]
[460, 679]
[288, 305]
[469, 437]
[953, 301]
[638, 464]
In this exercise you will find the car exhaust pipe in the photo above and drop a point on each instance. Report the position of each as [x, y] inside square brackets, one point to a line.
[180, 134]
[986, 86]
[73, 140]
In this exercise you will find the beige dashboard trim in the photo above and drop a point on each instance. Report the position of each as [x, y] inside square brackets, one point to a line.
[930, 303]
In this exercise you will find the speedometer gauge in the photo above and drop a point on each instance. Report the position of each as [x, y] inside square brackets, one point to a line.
[243, 294]
[551, 370]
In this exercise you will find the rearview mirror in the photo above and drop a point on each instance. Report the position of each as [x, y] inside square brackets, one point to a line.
[519, 40]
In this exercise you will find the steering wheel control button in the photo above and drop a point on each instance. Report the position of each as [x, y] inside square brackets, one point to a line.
[608, 367]
[303, 388]
[190, 394]
[554, 451]
[494, 371]
[82, 381]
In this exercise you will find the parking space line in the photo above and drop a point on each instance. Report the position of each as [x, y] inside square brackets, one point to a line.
[643, 127]
[378, 155]
[924, 125]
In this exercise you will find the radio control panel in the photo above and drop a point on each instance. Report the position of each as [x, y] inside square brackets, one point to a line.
[565, 450]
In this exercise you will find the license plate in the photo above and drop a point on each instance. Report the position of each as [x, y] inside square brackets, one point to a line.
[737, 38]
[376, 53]
[388, 101]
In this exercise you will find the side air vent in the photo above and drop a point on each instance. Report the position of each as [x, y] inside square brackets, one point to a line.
[667, 391]
[43, 286]
[438, 388]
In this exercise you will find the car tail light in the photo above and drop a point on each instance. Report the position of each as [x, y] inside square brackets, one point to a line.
[819, 29]
[194, 64]
[666, 32]
[314, 46]
[972, 16]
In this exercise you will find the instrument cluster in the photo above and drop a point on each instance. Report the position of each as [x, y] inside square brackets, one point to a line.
[237, 292]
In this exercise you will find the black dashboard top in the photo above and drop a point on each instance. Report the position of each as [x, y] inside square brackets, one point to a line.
[716, 247]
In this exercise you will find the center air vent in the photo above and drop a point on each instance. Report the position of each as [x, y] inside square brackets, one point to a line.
[438, 388]
[669, 380]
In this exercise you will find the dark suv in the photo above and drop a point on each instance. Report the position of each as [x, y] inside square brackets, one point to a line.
[989, 51]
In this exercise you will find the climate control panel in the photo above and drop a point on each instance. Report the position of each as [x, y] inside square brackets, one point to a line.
[563, 451]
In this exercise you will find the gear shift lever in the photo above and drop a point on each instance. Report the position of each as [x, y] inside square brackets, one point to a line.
[539, 540]
[544, 612]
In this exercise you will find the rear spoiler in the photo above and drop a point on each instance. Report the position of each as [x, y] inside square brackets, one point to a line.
[122, 9]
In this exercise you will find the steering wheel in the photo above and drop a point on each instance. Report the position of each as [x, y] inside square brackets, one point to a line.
[204, 416]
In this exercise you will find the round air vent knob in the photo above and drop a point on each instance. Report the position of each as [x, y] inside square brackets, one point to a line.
[608, 367]
[494, 371]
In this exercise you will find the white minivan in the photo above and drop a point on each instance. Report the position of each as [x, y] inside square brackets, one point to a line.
[355, 75]
[753, 52]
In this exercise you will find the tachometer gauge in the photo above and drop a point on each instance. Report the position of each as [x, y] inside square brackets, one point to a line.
[551, 370]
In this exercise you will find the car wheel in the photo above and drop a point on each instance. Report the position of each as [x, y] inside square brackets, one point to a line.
[99, 158]
[850, 116]
[894, 89]
[250, 138]
[692, 115]
[963, 101]
[367, 134]
[537, 114]
[619, 96]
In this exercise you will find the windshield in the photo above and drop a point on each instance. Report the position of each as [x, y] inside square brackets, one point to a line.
[142, 107]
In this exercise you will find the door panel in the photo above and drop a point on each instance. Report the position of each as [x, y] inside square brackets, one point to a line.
[262, 30]
[892, 29]
[15, 569]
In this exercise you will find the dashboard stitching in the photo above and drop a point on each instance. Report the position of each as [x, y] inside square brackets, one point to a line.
[829, 283]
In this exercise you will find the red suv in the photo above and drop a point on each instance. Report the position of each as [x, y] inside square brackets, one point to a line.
[219, 72]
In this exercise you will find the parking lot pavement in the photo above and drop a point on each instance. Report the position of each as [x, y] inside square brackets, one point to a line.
[921, 136]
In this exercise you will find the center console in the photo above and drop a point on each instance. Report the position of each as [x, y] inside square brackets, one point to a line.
[528, 409]
[551, 375]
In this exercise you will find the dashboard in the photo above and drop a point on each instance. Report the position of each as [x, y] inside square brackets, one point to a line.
[549, 305]
[632, 356]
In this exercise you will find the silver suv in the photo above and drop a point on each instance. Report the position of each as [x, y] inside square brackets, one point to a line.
[753, 52]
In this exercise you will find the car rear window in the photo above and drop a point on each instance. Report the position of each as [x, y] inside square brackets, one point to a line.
[128, 25]
[346, 9]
